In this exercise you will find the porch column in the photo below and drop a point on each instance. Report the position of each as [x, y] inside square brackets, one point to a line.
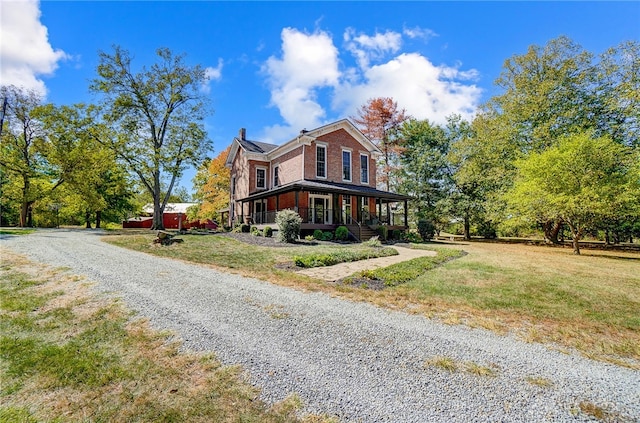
[379, 208]
[296, 203]
[406, 213]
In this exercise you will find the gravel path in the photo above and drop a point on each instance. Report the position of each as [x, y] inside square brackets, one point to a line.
[355, 361]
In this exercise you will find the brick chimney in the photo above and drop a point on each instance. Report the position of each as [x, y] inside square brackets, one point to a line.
[242, 134]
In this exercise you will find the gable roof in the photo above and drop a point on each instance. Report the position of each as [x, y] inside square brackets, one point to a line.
[267, 152]
[256, 146]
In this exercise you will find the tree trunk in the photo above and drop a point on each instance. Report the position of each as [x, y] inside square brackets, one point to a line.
[30, 214]
[551, 230]
[158, 222]
[98, 219]
[467, 227]
[24, 207]
[87, 218]
[576, 233]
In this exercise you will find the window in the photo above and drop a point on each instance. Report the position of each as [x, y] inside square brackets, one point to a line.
[346, 165]
[321, 161]
[261, 178]
[233, 186]
[276, 178]
[364, 169]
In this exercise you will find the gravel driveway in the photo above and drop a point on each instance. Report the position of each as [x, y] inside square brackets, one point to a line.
[355, 361]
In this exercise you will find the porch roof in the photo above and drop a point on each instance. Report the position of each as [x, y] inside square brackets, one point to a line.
[328, 187]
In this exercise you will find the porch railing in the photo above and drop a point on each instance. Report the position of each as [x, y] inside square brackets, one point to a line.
[319, 216]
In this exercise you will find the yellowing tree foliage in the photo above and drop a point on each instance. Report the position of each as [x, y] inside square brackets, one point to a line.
[213, 182]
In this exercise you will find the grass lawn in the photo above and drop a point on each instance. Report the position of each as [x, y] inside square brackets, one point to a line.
[589, 302]
[70, 356]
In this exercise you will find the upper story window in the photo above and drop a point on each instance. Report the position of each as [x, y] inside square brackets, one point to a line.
[276, 176]
[364, 169]
[261, 178]
[321, 161]
[346, 165]
[233, 186]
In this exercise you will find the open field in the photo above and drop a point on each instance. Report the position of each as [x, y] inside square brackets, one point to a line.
[589, 302]
[70, 356]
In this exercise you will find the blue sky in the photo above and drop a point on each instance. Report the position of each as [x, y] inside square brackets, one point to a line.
[279, 67]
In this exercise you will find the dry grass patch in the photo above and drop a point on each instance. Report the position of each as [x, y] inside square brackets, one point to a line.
[451, 365]
[539, 381]
[70, 356]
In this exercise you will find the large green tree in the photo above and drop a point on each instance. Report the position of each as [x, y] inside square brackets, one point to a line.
[157, 114]
[550, 92]
[26, 174]
[583, 181]
[94, 183]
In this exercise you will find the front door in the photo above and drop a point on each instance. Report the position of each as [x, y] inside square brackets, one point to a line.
[259, 211]
[319, 208]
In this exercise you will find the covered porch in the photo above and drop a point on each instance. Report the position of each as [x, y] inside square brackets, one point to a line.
[327, 205]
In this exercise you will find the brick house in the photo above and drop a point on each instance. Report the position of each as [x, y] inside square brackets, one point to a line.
[327, 175]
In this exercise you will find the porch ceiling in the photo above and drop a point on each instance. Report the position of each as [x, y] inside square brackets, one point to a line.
[329, 187]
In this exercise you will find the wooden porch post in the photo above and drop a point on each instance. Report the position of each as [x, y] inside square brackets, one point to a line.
[406, 214]
[379, 208]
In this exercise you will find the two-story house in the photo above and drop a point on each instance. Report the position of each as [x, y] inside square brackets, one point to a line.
[327, 175]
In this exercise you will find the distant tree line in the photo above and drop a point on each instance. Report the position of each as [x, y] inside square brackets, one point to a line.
[78, 164]
[557, 150]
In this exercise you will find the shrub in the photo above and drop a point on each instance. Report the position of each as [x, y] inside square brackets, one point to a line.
[244, 228]
[255, 231]
[426, 229]
[341, 256]
[397, 234]
[268, 232]
[373, 242]
[288, 225]
[327, 236]
[309, 238]
[383, 232]
[411, 236]
[317, 234]
[342, 233]
[487, 230]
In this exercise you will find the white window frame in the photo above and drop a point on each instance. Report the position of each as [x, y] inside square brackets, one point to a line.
[276, 175]
[344, 150]
[264, 169]
[366, 156]
[326, 164]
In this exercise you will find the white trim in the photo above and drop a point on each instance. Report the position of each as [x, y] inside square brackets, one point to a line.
[368, 178]
[265, 177]
[273, 177]
[347, 150]
[326, 162]
[327, 219]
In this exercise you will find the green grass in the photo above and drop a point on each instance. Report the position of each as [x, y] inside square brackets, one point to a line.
[16, 231]
[342, 255]
[410, 270]
[69, 356]
[588, 302]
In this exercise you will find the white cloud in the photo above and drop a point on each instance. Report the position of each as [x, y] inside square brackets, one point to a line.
[426, 91]
[212, 74]
[309, 68]
[25, 52]
[417, 32]
[309, 62]
[367, 48]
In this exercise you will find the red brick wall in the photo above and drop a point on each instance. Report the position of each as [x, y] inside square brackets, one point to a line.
[253, 165]
[335, 142]
[290, 165]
